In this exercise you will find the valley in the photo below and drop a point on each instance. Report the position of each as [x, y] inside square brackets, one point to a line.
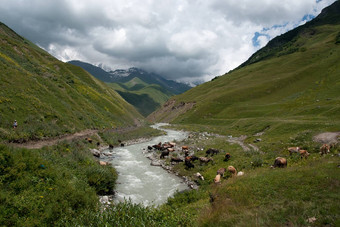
[80, 138]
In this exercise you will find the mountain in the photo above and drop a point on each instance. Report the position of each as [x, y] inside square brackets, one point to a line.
[96, 71]
[123, 76]
[145, 91]
[50, 98]
[290, 85]
[150, 78]
[146, 98]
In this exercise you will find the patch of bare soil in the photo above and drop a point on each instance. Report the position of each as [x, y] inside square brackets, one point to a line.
[327, 137]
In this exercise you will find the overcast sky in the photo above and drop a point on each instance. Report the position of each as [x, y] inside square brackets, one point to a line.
[184, 40]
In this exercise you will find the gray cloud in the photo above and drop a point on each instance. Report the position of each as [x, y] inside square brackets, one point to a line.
[181, 39]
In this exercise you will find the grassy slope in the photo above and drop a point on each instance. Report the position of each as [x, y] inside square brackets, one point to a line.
[293, 91]
[48, 97]
[144, 97]
[290, 95]
[263, 196]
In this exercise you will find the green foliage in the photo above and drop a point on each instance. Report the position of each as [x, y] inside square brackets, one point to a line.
[40, 187]
[49, 98]
[129, 214]
[337, 39]
[184, 198]
[101, 178]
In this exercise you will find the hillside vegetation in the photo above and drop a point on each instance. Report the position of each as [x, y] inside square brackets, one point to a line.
[49, 98]
[291, 85]
[146, 98]
[283, 96]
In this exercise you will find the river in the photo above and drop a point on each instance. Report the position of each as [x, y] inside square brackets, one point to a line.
[137, 179]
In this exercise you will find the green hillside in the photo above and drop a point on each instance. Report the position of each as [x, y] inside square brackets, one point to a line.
[48, 97]
[294, 88]
[146, 98]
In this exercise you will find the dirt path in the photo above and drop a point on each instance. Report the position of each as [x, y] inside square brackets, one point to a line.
[52, 141]
[327, 137]
[240, 141]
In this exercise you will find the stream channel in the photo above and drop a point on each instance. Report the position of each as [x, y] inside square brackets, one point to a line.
[137, 179]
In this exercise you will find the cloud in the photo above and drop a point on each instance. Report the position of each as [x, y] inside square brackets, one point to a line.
[180, 39]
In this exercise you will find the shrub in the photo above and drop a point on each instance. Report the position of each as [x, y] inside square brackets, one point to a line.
[101, 178]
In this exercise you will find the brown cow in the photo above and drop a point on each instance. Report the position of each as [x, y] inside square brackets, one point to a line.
[280, 162]
[170, 149]
[221, 171]
[324, 149]
[88, 139]
[176, 159]
[293, 150]
[185, 148]
[232, 170]
[304, 154]
[227, 157]
[205, 160]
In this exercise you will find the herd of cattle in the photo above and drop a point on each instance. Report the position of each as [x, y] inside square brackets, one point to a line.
[189, 160]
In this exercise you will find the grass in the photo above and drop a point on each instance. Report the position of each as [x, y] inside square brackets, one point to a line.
[146, 98]
[299, 90]
[263, 196]
[49, 98]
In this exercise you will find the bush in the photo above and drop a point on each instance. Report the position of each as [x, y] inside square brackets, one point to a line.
[102, 179]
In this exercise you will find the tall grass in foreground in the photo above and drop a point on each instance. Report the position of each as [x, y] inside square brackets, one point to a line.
[279, 197]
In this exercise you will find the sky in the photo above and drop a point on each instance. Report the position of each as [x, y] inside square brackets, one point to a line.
[185, 40]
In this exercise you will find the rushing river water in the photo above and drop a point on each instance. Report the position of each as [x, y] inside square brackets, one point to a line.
[137, 179]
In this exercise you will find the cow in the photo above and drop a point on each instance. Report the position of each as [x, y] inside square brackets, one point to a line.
[194, 158]
[293, 150]
[158, 146]
[150, 148]
[304, 154]
[164, 153]
[205, 160]
[98, 144]
[227, 157]
[280, 162]
[232, 170]
[221, 171]
[88, 139]
[102, 163]
[176, 159]
[172, 144]
[240, 173]
[217, 179]
[170, 149]
[122, 144]
[188, 164]
[199, 176]
[185, 148]
[211, 151]
[110, 146]
[324, 149]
